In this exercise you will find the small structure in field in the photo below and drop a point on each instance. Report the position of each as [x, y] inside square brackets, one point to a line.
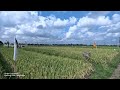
[86, 55]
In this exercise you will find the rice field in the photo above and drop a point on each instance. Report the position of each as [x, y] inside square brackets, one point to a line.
[59, 62]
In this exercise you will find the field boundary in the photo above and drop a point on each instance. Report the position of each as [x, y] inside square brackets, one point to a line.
[6, 68]
[116, 73]
[101, 73]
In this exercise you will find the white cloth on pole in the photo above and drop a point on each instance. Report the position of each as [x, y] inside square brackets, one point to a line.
[15, 49]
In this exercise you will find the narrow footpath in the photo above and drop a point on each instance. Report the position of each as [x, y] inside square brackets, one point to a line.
[116, 73]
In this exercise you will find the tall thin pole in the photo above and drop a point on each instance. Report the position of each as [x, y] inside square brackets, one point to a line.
[15, 68]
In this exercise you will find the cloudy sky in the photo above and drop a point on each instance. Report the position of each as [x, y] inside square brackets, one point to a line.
[74, 27]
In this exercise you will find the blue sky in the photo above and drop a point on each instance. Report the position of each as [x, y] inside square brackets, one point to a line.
[64, 14]
[60, 26]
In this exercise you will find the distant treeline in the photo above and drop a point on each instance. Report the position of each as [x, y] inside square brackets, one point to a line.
[65, 45]
[57, 44]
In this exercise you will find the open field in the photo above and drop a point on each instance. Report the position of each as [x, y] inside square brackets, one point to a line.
[59, 62]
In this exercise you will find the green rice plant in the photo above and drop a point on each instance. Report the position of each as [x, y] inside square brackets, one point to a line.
[41, 66]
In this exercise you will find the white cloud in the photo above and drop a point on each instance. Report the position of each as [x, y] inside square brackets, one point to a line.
[107, 28]
[102, 20]
[109, 34]
[29, 24]
[65, 22]
[13, 18]
[34, 13]
[113, 40]
[72, 20]
[30, 27]
[116, 34]
[98, 38]
[113, 28]
[4, 36]
[19, 32]
[71, 30]
[86, 21]
[9, 31]
[60, 23]
[113, 34]
[116, 18]
[89, 34]
[84, 30]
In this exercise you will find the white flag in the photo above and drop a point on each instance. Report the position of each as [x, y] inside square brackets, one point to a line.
[15, 49]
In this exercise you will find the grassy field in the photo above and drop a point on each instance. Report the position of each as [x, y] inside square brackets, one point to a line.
[59, 62]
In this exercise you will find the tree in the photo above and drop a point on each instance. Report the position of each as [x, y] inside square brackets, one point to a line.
[1, 43]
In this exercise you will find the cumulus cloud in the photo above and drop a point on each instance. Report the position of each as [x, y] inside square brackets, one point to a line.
[29, 24]
[95, 29]
[13, 18]
[116, 18]
[30, 27]
[83, 30]
[65, 22]
[86, 21]
[71, 30]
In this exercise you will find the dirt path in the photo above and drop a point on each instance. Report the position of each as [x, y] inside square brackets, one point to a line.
[116, 73]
